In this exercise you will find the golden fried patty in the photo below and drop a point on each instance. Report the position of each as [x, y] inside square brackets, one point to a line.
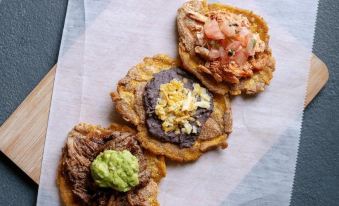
[225, 47]
[83, 144]
[128, 101]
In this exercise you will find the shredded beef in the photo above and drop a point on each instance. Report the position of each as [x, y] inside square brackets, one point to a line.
[77, 156]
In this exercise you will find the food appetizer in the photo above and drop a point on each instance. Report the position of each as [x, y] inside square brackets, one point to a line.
[175, 115]
[180, 109]
[106, 166]
[227, 48]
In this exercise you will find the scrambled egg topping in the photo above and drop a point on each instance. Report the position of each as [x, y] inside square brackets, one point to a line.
[177, 105]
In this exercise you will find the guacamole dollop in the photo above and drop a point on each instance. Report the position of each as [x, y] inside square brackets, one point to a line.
[115, 169]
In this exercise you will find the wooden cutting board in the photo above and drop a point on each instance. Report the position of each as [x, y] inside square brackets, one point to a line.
[22, 135]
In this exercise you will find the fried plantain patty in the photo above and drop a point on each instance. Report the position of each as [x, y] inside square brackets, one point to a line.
[128, 101]
[84, 142]
[191, 16]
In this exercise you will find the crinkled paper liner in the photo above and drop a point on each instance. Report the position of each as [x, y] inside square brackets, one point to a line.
[103, 39]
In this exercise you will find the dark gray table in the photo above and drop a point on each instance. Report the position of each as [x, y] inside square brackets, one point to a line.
[30, 34]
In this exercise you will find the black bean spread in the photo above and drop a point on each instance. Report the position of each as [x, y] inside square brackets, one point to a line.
[176, 106]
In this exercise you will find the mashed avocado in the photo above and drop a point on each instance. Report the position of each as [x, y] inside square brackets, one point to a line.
[116, 169]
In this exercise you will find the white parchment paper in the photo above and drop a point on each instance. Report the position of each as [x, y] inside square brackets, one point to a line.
[103, 39]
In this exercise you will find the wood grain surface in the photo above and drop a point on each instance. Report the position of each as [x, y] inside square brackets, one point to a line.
[22, 135]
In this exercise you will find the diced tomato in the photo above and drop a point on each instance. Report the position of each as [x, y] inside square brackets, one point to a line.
[235, 45]
[214, 54]
[227, 30]
[222, 52]
[224, 58]
[213, 31]
[240, 57]
[243, 36]
[224, 42]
